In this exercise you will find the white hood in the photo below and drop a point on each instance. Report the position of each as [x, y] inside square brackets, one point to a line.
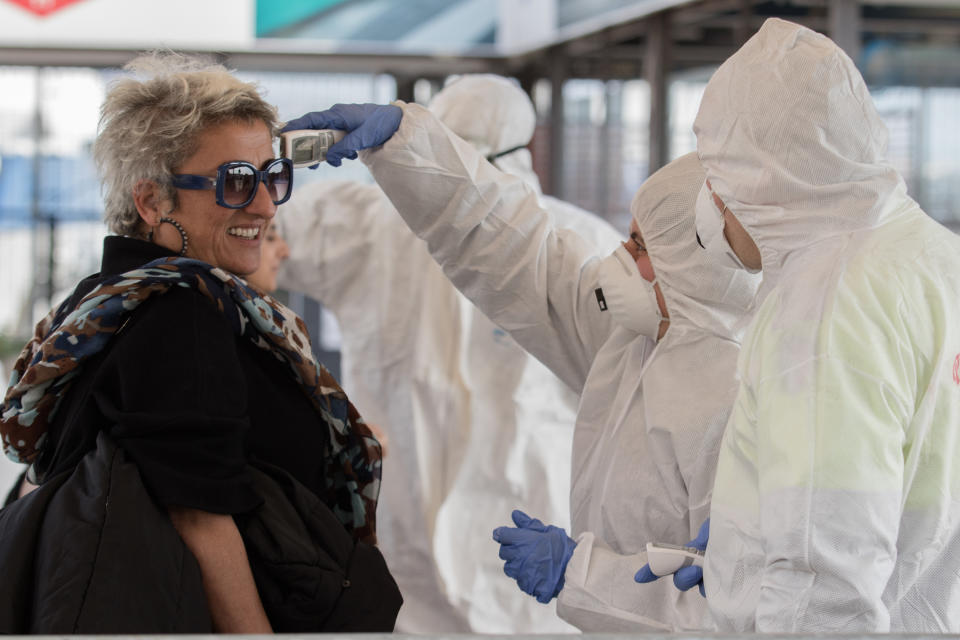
[697, 289]
[494, 115]
[791, 141]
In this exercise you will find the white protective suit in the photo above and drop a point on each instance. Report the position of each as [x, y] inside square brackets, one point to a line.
[476, 426]
[633, 478]
[836, 506]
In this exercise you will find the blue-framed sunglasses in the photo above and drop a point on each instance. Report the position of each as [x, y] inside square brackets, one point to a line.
[237, 182]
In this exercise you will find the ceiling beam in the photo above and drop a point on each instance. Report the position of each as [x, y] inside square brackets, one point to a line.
[265, 60]
[703, 33]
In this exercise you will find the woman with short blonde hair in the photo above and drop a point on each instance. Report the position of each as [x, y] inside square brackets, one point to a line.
[206, 385]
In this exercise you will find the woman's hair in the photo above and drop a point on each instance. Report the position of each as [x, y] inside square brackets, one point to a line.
[150, 123]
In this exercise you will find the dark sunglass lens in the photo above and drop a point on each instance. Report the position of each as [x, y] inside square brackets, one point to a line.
[238, 184]
[278, 181]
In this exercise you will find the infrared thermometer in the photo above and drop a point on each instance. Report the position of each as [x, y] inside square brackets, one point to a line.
[308, 147]
[665, 559]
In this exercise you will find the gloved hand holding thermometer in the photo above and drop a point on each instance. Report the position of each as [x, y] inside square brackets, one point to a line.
[685, 563]
[366, 126]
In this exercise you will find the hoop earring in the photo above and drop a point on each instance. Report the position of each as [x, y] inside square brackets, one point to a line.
[184, 240]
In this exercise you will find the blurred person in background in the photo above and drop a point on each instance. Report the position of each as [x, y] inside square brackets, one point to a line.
[477, 425]
[211, 475]
[274, 252]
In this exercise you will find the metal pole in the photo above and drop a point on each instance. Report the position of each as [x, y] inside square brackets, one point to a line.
[656, 68]
[742, 31]
[405, 88]
[51, 256]
[845, 26]
[611, 121]
[918, 155]
[40, 281]
[558, 75]
[527, 81]
[436, 85]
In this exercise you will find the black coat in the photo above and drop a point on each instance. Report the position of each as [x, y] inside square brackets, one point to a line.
[91, 552]
[187, 400]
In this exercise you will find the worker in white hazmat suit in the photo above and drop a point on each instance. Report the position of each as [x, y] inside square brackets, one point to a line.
[476, 426]
[837, 499]
[681, 402]
[634, 478]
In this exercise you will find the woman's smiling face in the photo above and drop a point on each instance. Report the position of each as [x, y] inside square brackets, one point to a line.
[222, 237]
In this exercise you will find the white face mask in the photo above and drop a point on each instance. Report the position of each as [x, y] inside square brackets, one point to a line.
[631, 300]
[709, 222]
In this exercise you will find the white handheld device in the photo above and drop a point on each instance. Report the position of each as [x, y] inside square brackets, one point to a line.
[307, 147]
[665, 559]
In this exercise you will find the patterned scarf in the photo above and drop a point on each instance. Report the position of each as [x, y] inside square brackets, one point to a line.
[67, 337]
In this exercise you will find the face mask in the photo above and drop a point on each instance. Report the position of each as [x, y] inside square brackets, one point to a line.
[709, 222]
[631, 300]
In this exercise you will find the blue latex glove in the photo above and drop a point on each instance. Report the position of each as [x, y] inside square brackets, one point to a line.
[687, 577]
[367, 125]
[536, 555]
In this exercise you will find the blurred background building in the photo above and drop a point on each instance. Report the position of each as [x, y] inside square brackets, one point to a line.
[616, 83]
